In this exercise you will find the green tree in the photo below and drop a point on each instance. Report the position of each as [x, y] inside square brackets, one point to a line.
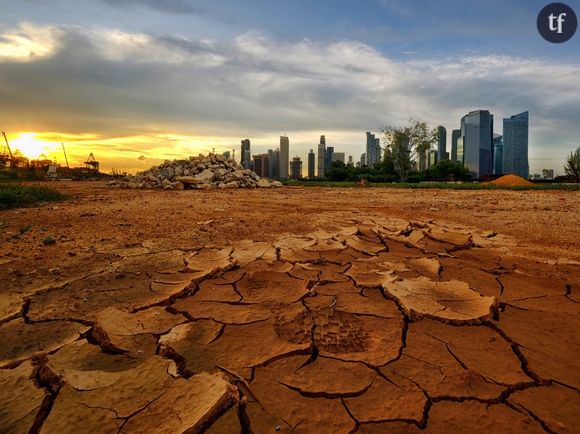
[447, 170]
[406, 143]
[572, 167]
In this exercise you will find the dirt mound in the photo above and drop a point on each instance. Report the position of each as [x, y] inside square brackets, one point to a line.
[200, 173]
[511, 181]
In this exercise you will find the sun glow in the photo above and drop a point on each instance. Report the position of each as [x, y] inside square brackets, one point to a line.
[31, 147]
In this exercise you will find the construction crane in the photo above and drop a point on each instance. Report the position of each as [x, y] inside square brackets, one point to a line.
[65, 157]
[92, 163]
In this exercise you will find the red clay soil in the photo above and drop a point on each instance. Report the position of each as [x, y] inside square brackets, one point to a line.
[291, 310]
[511, 181]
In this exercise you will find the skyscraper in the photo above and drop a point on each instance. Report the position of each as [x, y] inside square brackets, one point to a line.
[363, 160]
[329, 158]
[497, 154]
[338, 156]
[373, 149]
[477, 135]
[284, 156]
[311, 164]
[515, 145]
[455, 135]
[262, 165]
[246, 156]
[321, 156]
[442, 143]
[296, 168]
[350, 161]
[276, 164]
[270, 163]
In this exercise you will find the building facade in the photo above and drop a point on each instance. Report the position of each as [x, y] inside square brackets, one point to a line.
[442, 143]
[373, 150]
[262, 165]
[296, 168]
[284, 156]
[497, 154]
[339, 156]
[329, 158]
[455, 135]
[515, 145]
[311, 164]
[245, 155]
[477, 140]
[321, 157]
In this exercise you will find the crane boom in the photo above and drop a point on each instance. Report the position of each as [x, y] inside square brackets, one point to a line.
[7, 145]
[65, 157]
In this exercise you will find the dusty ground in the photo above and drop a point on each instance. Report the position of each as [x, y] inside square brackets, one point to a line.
[291, 310]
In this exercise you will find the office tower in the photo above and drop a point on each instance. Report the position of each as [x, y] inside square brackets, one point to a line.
[270, 163]
[261, 165]
[245, 155]
[477, 135]
[442, 143]
[276, 164]
[350, 161]
[363, 160]
[321, 157]
[338, 156]
[497, 154]
[284, 156]
[296, 168]
[433, 157]
[423, 160]
[515, 145]
[455, 135]
[328, 159]
[373, 150]
[311, 164]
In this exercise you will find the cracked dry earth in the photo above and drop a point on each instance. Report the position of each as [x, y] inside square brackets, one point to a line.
[381, 326]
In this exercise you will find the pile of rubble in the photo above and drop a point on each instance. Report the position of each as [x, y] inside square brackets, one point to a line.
[201, 172]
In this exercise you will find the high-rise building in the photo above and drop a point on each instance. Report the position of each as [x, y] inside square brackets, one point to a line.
[284, 156]
[321, 157]
[497, 154]
[262, 165]
[296, 168]
[328, 159]
[270, 163]
[363, 160]
[338, 156]
[276, 164]
[245, 155]
[515, 145]
[433, 157]
[373, 149]
[455, 135]
[350, 161]
[477, 135]
[311, 164]
[442, 143]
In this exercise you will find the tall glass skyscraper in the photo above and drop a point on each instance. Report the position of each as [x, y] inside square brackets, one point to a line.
[373, 150]
[497, 154]
[515, 145]
[442, 144]
[311, 164]
[455, 135]
[284, 156]
[477, 135]
[246, 157]
[321, 157]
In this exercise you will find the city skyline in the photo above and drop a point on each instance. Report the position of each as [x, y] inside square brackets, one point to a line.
[136, 81]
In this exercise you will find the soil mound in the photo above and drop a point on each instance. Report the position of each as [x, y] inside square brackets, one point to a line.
[511, 181]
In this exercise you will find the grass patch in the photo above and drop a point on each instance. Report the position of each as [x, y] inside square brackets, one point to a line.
[432, 185]
[17, 195]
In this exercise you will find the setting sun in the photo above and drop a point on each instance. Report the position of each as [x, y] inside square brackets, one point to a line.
[31, 147]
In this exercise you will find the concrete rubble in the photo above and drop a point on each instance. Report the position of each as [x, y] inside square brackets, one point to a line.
[381, 326]
[202, 172]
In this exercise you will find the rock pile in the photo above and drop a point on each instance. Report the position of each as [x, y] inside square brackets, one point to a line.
[201, 173]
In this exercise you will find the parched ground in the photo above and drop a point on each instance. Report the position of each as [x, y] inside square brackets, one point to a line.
[291, 310]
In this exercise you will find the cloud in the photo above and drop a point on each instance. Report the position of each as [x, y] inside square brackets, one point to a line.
[166, 6]
[114, 83]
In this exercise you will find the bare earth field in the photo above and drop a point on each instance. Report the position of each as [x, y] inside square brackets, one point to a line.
[305, 310]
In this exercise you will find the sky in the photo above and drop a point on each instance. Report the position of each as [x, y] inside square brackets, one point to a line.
[139, 81]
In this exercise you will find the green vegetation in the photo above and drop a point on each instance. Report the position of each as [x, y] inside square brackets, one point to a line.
[572, 167]
[427, 185]
[17, 195]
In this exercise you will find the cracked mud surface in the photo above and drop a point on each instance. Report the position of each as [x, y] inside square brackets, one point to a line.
[368, 325]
